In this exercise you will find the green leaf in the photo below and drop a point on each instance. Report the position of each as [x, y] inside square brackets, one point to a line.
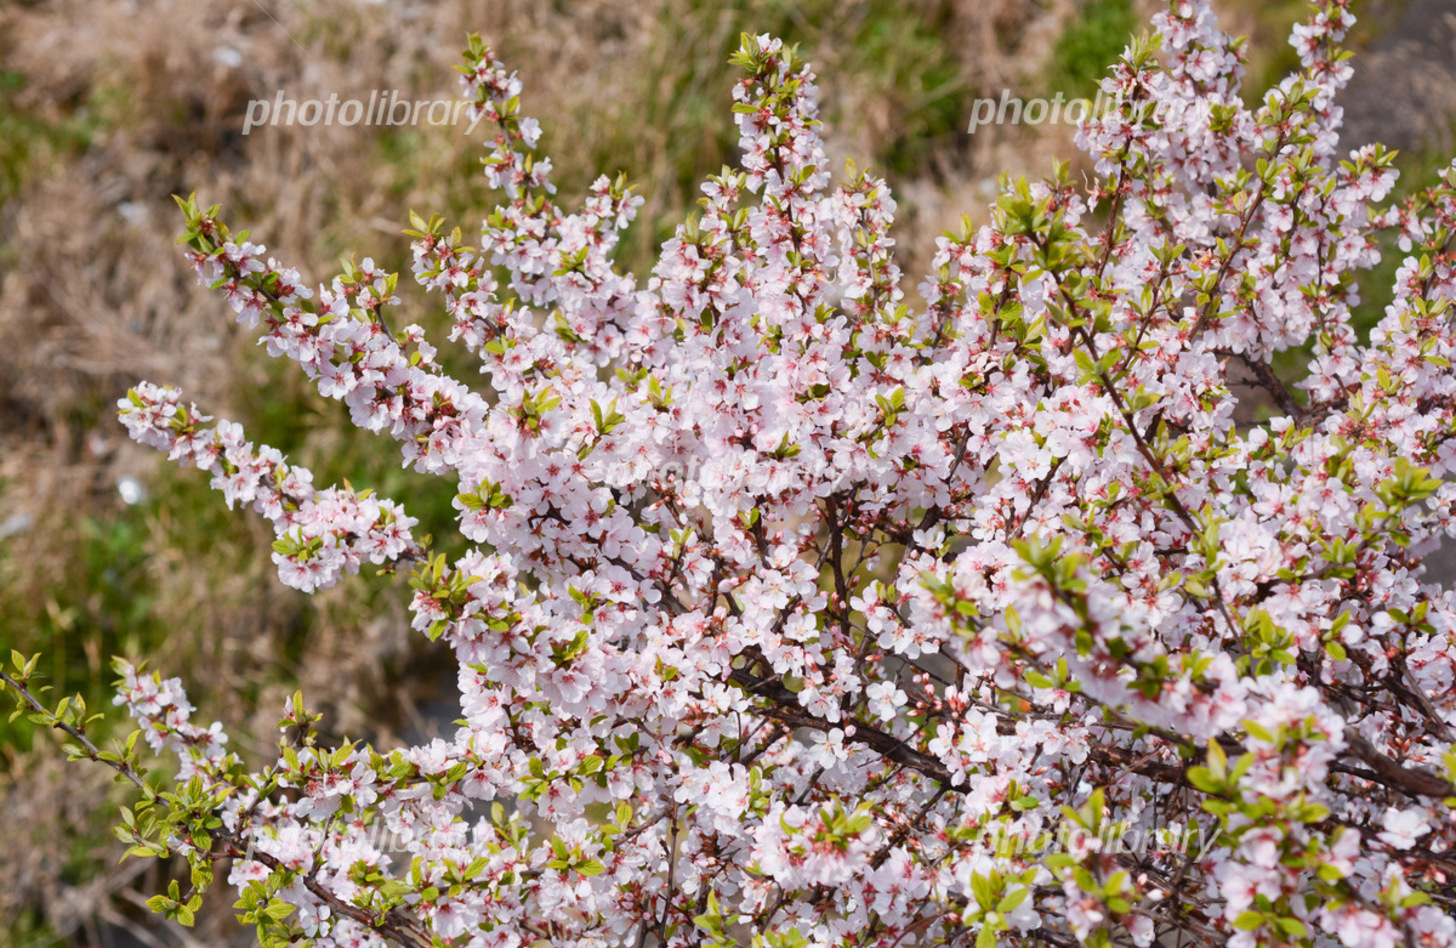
[1248, 921]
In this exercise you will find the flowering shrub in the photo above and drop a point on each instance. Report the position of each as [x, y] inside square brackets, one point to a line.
[799, 616]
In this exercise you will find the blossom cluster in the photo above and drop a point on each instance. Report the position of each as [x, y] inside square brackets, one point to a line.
[321, 534]
[798, 615]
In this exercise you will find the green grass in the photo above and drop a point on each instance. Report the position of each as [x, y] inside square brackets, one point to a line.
[1091, 42]
[29, 143]
[101, 605]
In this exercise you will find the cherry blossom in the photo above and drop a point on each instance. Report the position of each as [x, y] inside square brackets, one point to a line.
[799, 612]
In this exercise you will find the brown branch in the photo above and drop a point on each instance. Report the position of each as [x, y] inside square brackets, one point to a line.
[1421, 783]
[1036, 498]
[1271, 383]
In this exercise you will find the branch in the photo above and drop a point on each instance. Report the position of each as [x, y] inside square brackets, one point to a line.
[1422, 783]
[395, 925]
[92, 751]
[890, 747]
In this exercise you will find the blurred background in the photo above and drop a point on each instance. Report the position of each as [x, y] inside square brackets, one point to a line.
[108, 107]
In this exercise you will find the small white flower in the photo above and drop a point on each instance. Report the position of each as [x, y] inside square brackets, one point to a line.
[1403, 828]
